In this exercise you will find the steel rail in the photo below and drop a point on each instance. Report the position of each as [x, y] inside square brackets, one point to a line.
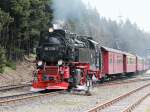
[25, 96]
[115, 100]
[133, 106]
[123, 82]
[5, 88]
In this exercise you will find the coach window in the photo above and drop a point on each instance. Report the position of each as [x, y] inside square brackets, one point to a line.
[119, 59]
[110, 61]
[131, 61]
[128, 60]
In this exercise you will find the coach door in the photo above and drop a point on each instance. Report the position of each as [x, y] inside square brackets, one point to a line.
[111, 63]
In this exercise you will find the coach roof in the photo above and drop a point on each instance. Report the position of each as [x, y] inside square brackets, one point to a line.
[112, 50]
[116, 51]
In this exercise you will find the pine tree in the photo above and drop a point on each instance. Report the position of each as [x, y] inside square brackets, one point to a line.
[30, 17]
[2, 60]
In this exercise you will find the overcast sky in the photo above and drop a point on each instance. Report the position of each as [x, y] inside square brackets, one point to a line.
[137, 11]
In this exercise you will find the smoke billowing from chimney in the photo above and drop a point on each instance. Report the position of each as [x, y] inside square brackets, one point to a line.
[66, 10]
[80, 18]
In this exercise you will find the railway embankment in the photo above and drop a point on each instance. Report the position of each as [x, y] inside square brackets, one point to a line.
[22, 74]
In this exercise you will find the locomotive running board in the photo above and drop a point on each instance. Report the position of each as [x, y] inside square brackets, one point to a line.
[32, 89]
[60, 85]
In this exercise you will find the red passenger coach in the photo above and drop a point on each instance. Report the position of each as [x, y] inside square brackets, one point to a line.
[139, 63]
[112, 61]
[129, 63]
[145, 67]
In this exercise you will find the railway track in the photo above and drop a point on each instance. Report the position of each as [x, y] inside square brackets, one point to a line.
[125, 102]
[31, 95]
[12, 97]
[5, 88]
[134, 105]
[123, 82]
[25, 96]
[10, 87]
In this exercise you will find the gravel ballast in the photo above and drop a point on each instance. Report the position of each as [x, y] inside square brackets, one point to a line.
[144, 106]
[72, 103]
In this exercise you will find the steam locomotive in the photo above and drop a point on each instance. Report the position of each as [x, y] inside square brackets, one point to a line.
[64, 61]
[68, 61]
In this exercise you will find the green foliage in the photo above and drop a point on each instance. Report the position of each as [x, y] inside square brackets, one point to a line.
[4, 19]
[2, 59]
[11, 64]
[21, 22]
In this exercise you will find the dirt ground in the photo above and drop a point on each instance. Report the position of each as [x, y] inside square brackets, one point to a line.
[22, 74]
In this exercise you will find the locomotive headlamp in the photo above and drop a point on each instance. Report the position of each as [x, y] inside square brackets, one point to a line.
[39, 63]
[60, 62]
[51, 30]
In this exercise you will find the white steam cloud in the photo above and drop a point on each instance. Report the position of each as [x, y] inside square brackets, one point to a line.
[65, 10]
